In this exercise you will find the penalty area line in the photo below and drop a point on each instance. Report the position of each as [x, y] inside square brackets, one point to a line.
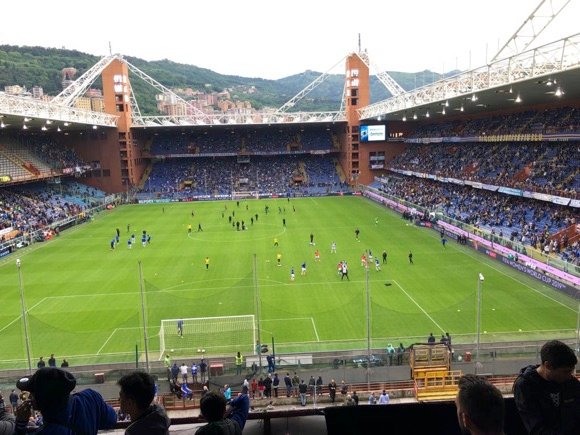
[315, 331]
[108, 339]
[20, 316]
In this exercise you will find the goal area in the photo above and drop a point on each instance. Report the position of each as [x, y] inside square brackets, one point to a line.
[225, 335]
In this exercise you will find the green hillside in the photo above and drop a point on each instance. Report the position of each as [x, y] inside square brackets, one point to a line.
[39, 66]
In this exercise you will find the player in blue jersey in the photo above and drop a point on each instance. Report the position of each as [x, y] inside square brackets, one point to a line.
[180, 328]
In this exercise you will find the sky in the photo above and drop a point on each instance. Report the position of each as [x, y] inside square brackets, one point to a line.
[272, 39]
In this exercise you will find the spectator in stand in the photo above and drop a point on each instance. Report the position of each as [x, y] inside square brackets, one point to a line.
[548, 395]
[480, 407]
[63, 413]
[222, 420]
[384, 398]
[6, 419]
[303, 390]
[136, 399]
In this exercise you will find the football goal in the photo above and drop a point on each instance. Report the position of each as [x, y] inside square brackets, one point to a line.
[208, 335]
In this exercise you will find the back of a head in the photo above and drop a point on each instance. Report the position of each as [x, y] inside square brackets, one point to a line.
[213, 406]
[482, 402]
[140, 387]
[558, 355]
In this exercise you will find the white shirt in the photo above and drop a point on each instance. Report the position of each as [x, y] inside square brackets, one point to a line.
[383, 399]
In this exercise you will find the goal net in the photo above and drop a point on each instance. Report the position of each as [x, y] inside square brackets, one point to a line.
[208, 335]
[245, 194]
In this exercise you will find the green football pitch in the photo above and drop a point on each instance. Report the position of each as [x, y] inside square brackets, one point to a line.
[84, 300]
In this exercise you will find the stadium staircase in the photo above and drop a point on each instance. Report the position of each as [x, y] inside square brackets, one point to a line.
[572, 232]
[522, 174]
[470, 169]
[303, 172]
[339, 171]
[145, 176]
[12, 157]
[29, 160]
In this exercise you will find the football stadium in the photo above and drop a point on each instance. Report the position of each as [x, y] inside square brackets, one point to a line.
[393, 245]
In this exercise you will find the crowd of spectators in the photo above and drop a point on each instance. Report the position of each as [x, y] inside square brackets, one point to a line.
[550, 121]
[523, 220]
[255, 141]
[322, 176]
[281, 174]
[42, 151]
[550, 167]
[32, 207]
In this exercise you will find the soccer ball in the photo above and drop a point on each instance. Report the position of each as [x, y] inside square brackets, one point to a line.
[314, 244]
[198, 350]
[203, 351]
[459, 358]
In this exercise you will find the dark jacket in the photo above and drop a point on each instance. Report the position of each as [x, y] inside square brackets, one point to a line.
[547, 407]
[7, 422]
[86, 412]
[221, 427]
[153, 422]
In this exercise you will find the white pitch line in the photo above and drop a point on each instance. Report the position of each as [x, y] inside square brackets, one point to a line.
[419, 306]
[20, 316]
[286, 319]
[173, 287]
[110, 336]
[468, 253]
[37, 304]
[15, 320]
[315, 331]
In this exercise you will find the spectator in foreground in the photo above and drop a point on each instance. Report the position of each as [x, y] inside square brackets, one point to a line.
[548, 395]
[63, 413]
[480, 407]
[6, 419]
[136, 399]
[222, 421]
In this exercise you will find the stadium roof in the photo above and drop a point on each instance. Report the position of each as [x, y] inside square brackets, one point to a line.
[544, 75]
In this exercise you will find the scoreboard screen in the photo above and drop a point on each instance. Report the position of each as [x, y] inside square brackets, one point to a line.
[372, 133]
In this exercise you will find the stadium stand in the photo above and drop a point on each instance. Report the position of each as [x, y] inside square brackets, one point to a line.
[525, 220]
[550, 121]
[543, 167]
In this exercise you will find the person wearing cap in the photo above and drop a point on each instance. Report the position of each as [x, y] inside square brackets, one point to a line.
[63, 414]
[136, 399]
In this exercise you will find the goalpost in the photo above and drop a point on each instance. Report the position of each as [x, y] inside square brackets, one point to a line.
[208, 335]
[245, 194]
